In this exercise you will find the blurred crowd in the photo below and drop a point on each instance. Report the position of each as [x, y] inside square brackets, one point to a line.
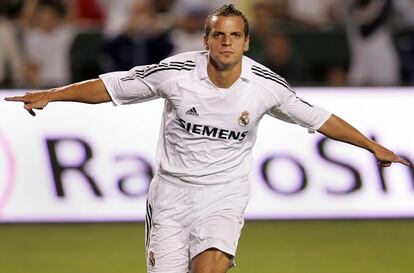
[47, 43]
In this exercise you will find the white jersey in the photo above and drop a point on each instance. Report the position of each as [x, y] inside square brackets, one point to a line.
[207, 133]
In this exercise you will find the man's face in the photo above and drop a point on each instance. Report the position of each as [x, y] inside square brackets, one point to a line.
[226, 41]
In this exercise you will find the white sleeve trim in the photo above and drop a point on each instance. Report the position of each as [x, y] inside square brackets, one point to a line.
[107, 79]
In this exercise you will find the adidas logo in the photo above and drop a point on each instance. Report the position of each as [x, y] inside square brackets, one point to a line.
[192, 112]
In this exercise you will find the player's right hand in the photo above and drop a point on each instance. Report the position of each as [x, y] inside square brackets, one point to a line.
[32, 100]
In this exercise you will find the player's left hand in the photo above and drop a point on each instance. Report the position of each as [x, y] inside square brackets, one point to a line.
[385, 157]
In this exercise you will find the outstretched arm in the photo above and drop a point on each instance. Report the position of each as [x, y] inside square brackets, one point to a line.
[91, 91]
[338, 129]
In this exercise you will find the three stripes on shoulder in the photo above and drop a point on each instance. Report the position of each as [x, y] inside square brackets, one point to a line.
[145, 72]
[270, 75]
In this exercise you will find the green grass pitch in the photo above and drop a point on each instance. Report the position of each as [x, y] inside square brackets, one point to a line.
[363, 246]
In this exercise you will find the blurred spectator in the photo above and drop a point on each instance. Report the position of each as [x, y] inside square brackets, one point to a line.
[86, 12]
[404, 36]
[189, 29]
[319, 14]
[20, 12]
[143, 41]
[405, 11]
[47, 45]
[263, 20]
[374, 59]
[164, 9]
[279, 9]
[180, 7]
[116, 16]
[281, 59]
[11, 63]
[335, 76]
[163, 6]
[405, 42]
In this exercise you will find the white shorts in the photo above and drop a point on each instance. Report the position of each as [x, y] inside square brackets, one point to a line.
[182, 222]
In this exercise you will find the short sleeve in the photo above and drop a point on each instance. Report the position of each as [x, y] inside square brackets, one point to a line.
[294, 109]
[133, 86]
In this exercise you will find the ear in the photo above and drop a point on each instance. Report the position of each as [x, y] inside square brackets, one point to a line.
[246, 44]
[205, 43]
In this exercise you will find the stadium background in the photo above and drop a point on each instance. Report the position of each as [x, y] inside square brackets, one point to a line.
[309, 49]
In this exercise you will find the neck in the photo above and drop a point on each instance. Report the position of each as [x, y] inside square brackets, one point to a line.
[223, 76]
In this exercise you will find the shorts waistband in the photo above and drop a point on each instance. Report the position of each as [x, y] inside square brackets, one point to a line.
[174, 181]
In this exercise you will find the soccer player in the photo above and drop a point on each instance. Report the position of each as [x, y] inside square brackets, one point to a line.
[214, 100]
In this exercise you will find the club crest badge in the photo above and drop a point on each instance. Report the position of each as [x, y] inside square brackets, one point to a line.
[244, 119]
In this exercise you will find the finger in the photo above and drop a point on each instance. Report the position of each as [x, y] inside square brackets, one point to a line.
[28, 106]
[384, 163]
[403, 161]
[15, 98]
[31, 112]
[400, 160]
[29, 109]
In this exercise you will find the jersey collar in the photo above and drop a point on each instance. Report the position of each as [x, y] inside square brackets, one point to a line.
[201, 68]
